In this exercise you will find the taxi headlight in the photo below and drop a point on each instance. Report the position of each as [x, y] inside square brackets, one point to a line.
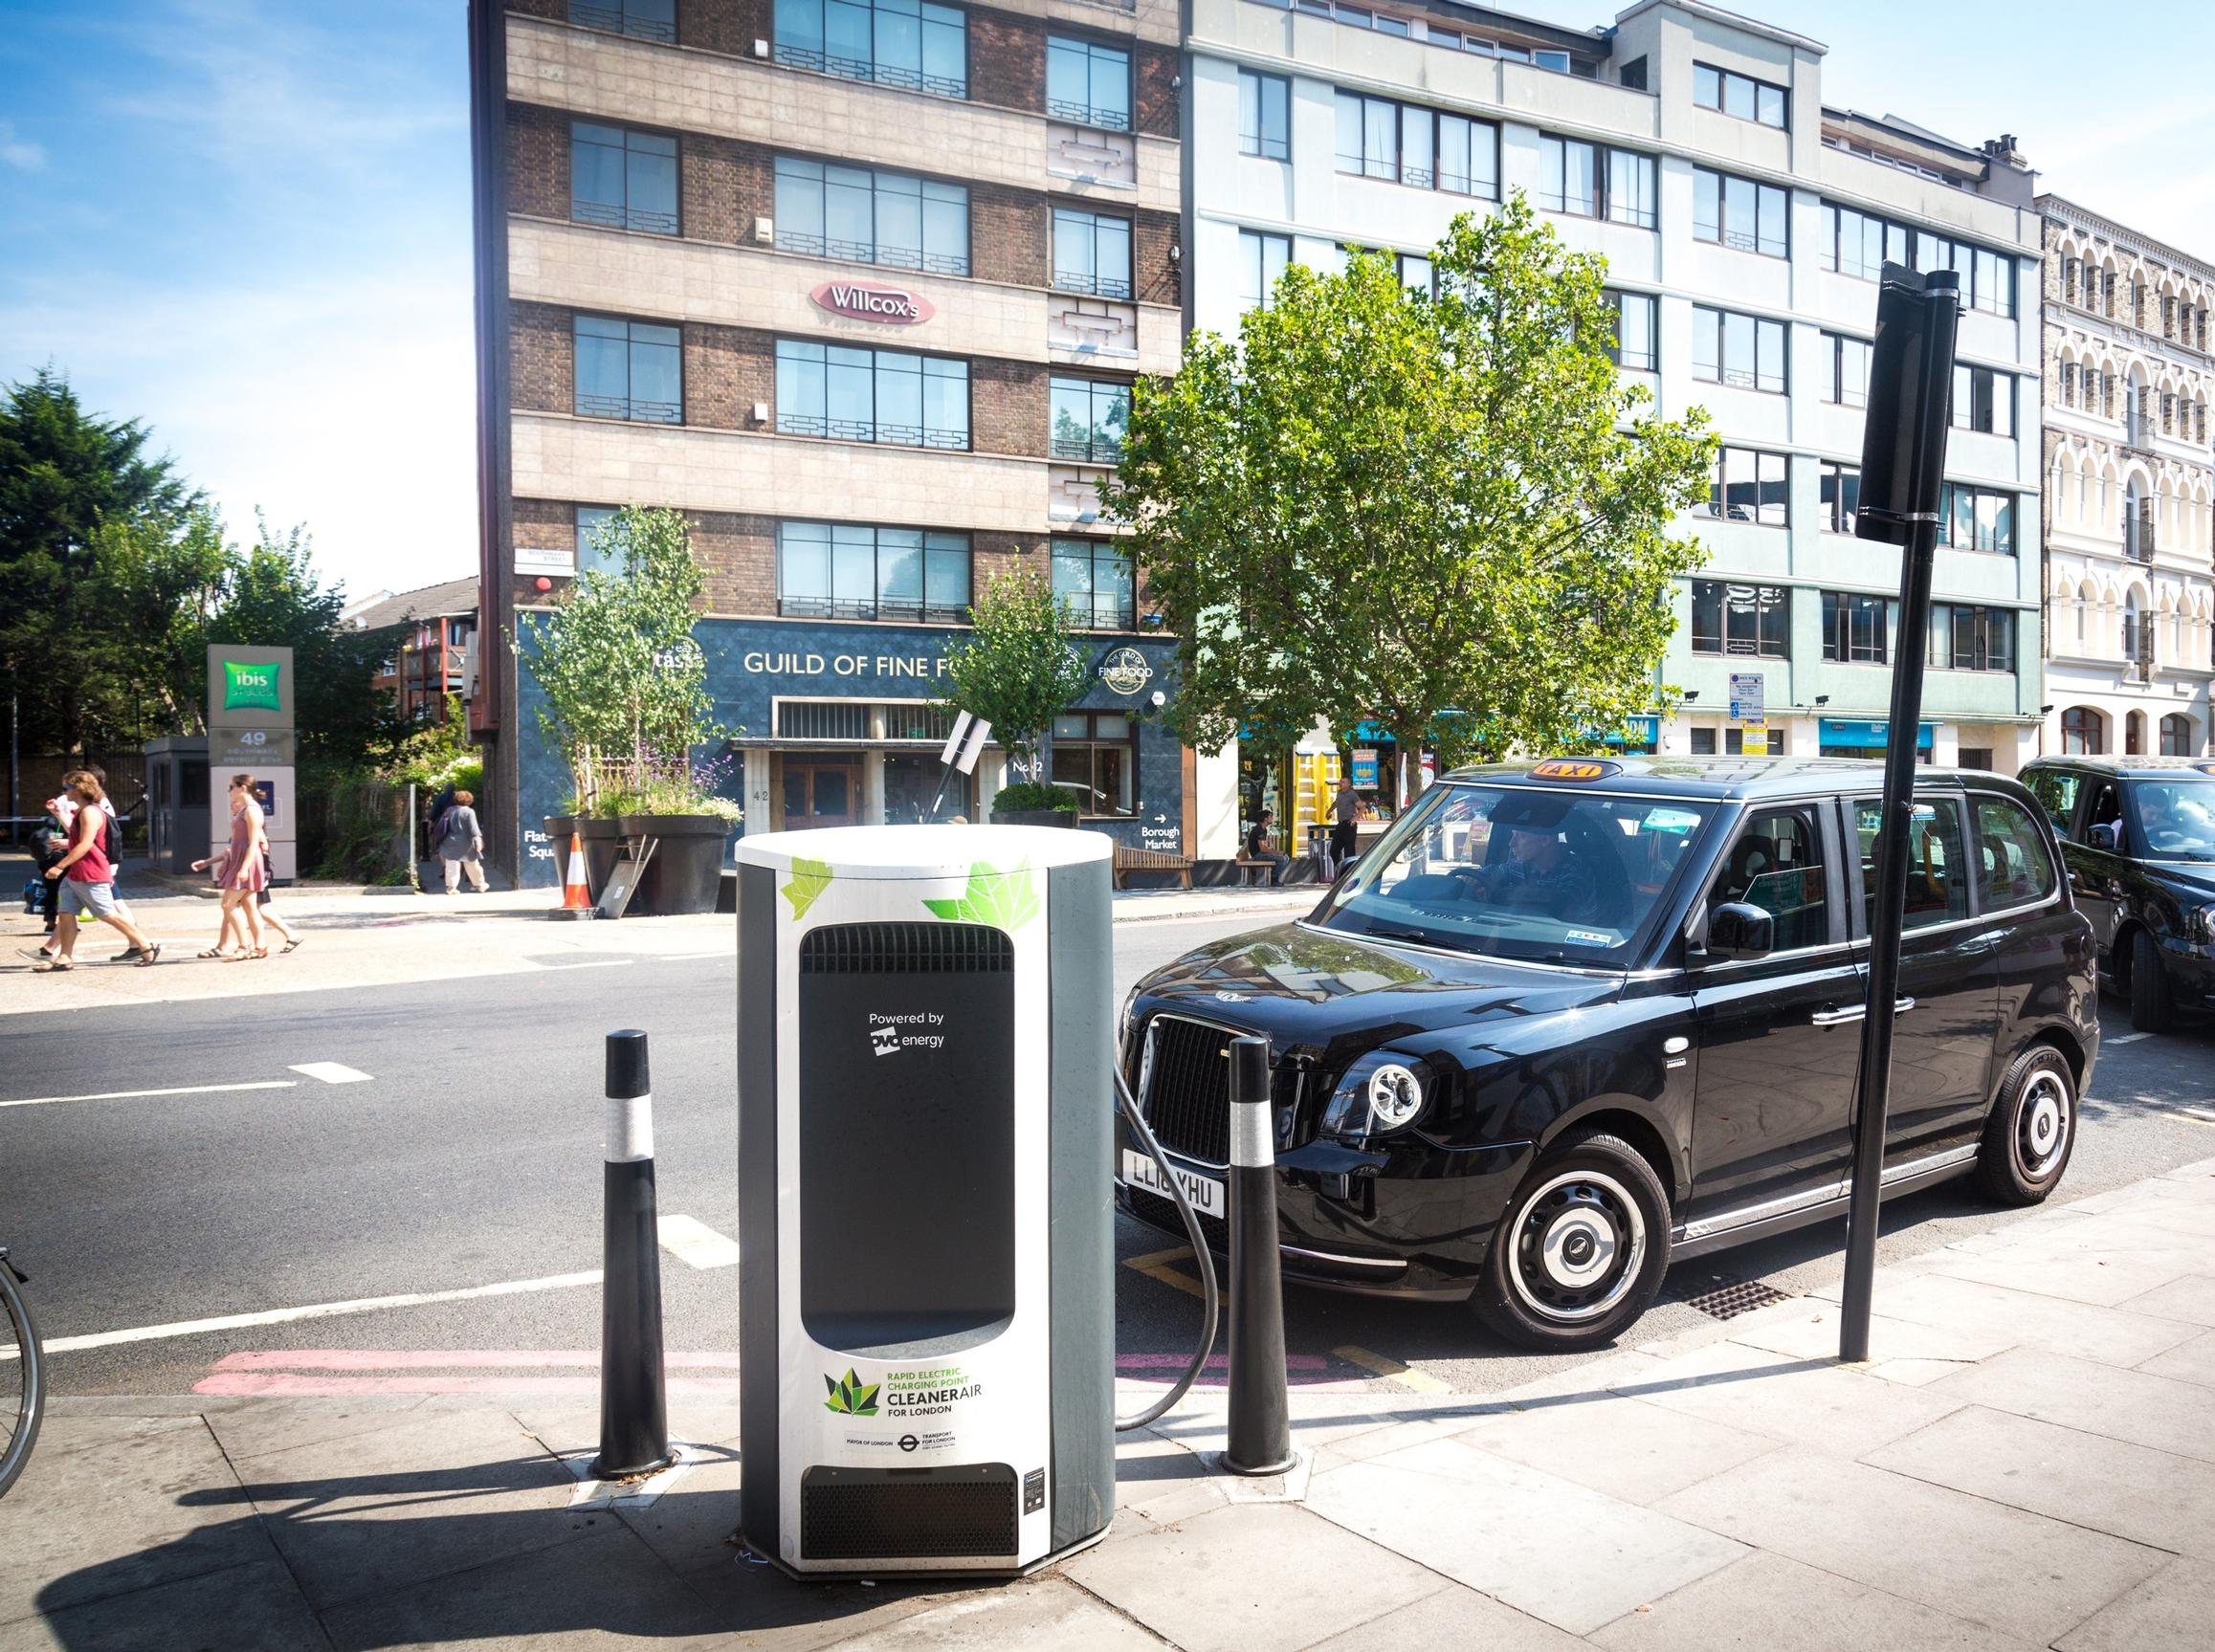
[1395, 1095]
[1381, 1093]
[2200, 924]
[1123, 1023]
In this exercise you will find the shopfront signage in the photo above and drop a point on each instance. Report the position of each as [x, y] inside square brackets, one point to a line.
[251, 685]
[867, 301]
[1125, 670]
[763, 663]
[1364, 776]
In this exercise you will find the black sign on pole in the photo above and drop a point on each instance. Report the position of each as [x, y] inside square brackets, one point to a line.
[1903, 461]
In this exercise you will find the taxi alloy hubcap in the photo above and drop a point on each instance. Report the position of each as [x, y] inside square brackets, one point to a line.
[1577, 1247]
[2041, 1128]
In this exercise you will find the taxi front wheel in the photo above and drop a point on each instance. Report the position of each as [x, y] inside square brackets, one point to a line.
[1581, 1252]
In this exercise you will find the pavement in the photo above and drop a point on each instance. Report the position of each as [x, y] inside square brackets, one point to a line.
[2026, 1462]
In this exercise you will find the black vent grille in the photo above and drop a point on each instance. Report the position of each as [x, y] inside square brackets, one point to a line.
[1187, 1099]
[908, 1513]
[1163, 1213]
[1726, 1296]
[906, 949]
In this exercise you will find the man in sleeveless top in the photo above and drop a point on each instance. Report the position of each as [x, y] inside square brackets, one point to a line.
[87, 879]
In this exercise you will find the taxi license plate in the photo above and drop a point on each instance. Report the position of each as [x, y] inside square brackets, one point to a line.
[1141, 1170]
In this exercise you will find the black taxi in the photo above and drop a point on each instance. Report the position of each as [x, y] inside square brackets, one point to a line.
[1569, 1020]
[2138, 836]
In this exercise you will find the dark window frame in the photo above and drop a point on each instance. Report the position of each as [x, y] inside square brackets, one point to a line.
[1554, 148]
[1101, 443]
[1835, 351]
[1767, 611]
[627, 406]
[1402, 117]
[1095, 609]
[1092, 742]
[1726, 80]
[1260, 141]
[924, 436]
[932, 21]
[1859, 628]
[1098, 284]
[1104, 117]
[874, 252]
[622, 214]
[628, 17]
[1753, 378]
[1650, 360]
[1770, 474]
[1728, 233]
[930, 607]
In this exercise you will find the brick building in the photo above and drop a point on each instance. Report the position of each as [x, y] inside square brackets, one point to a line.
[858, 285]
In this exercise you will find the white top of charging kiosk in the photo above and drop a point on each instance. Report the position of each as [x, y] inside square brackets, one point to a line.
[923, 851]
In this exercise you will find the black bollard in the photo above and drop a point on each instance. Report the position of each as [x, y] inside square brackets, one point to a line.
[633, 1405]
[1261, 1436]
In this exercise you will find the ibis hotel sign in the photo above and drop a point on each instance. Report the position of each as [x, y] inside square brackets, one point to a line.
[870, 302]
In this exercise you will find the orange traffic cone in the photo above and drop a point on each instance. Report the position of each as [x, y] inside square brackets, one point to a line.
[576, 897]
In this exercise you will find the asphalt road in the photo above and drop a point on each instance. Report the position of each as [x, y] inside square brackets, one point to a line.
[470, 1157]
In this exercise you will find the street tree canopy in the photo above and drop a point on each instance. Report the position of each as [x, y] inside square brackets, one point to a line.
[1017, 669]
[1447, 515]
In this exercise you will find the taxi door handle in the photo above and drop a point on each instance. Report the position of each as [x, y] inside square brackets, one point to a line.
[1858, 1012]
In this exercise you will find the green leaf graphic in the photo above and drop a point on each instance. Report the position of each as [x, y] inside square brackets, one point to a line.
[849, 1398]
[809, 879]
[1007, 900]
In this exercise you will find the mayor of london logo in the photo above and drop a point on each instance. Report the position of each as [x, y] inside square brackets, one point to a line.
[1125, 670]
[250, 687]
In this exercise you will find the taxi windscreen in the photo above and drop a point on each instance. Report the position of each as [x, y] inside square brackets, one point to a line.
[1561, 876]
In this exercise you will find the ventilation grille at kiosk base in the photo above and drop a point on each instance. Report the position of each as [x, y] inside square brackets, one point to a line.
[1187, 1099]
[908, 1513]
[906, 949]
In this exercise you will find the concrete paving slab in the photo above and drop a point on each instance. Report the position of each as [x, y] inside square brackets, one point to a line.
[82, 1525]
[2192, 1361]
[2020, 1574]
[249, 1608]
[61, 1434]
[2133, 1405]
[762, 1610]
[1766, 1602]
[690, 1526]
[2074, 1276]
[1162, 1481]
[2174, 1607]
[1899, 1350]
[1257, 1576]
[1454, 1618]
[1812, 1403]
[2121, 1335]
[1623, 1447]
[2189, 1298]
[1544, 1544]
[2149, 1497]
[566, 1428]
[283, 1424]
[1045, 1611]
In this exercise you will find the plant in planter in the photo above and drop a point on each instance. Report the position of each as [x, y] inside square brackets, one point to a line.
[1018, 670]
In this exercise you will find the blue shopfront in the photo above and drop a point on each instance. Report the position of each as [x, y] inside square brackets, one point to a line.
[833, 725]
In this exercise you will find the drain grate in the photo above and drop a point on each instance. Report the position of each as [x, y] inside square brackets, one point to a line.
[1729, 1298]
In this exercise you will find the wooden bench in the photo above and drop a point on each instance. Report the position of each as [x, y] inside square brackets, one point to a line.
[1129, 860]
[1247, 864]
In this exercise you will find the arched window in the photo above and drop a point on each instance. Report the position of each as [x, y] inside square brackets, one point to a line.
[2131, 626]
[2177, 735]
[2134, 734]
[2083, 731]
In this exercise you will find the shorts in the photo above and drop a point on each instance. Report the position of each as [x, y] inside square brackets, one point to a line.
[79, 899]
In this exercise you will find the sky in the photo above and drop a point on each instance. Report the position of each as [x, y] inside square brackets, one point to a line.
[246, 222]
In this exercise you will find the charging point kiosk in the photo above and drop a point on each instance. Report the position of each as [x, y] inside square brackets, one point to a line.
[926, 1047]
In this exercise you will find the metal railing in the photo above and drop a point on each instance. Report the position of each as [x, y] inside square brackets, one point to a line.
[610, 216]
[863, 69]
[630, 407]
[1098, 286]
[614, 19]
[1099, 448]
[1086, 115]
[871, 431]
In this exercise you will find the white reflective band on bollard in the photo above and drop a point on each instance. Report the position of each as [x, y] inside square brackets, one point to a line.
[1251, 1147]
[628, 1135]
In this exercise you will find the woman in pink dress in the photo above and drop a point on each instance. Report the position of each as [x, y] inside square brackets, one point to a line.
[241, 876]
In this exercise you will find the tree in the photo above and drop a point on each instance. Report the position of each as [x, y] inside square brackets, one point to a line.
[1018, 670]
[625, 683]
[1444, 514]
[159, 586]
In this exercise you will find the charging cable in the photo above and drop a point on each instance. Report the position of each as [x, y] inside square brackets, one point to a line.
[1208, 1294]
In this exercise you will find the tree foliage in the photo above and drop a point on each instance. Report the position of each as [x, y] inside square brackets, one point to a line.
[1444, 514]
[1018, 669]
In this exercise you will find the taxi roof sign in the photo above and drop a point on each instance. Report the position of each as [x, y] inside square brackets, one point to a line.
[1574, 769]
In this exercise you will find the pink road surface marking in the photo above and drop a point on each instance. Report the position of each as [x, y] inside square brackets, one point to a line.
[292, 1383]
[425, 1358]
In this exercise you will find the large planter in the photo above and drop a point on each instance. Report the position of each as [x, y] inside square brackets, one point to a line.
[1034, 817]
[687, 867]
[600, 844]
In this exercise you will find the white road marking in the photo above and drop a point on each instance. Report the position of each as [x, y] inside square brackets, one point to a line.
[181, 1089]
[594, 963]
[330, 1073]
[314, 1310]
[696, 1244]
[2125, 1038]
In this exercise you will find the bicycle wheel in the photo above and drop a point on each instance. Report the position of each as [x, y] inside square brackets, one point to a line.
[22, 1380]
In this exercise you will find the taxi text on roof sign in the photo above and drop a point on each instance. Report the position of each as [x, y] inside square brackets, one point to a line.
[1573, 769]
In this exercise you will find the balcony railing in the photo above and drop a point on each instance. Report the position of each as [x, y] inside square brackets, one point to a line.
[614, 19]
[630, 407]
[1098, 286]
[1086, 115]
[1098, 448]
[868, 253]
[872, 431]
[610, 216]
[863, 69]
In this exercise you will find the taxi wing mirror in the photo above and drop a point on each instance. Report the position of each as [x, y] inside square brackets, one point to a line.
[1737, 930]
[2104, 836]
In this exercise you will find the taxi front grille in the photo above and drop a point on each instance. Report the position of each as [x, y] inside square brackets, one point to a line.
[1187, 1099]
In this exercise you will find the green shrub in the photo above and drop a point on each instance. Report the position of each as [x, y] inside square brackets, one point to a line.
[1034, 795]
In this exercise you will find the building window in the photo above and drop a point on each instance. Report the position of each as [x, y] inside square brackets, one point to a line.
[1749, 486]
[1089, 416]
[1841, 497]
[1738, 212]
[1858, 628]
[2177, 735]
[1844, 370]
[1703, 740]
[1094, 758]
[1264, 116]
[1096, 579]
[590, 552]
[1092, 253]
[1859, 244]
[646, 19]
[2083, 731]
[1587, 181]
[1755, 621]
[622, 179]
[871, 217]
[1971, 639]
[1420, 148]
[1983, 401]
[630, 370]
[1261, 260]
[894, 397]
[1633, 77]
[908, 43]
[1636, 331]
[1417, 276]
[1739, 94]
[1088, 83]
[1977, 519]
[854, 571]
[1731, 348]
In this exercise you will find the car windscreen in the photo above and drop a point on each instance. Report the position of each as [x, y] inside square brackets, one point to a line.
[2173, 818]
[1560, 876]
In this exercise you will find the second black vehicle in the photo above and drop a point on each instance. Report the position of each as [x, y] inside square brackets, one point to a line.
[1568, 1022]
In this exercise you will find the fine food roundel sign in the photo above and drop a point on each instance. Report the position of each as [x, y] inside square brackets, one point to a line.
[869, 301]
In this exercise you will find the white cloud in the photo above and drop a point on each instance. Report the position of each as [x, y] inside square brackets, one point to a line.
[20, 153]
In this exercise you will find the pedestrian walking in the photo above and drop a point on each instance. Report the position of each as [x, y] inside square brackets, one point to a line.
[1260, 846]
[49, 843]
[261, 899]
[87, 879]
[112, 841]
[460, 844]
[1346, 810]
[240, 875]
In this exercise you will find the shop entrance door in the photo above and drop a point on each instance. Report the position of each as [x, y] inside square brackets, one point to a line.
[820, 794]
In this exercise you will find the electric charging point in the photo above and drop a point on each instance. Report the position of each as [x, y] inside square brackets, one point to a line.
[926, 1050]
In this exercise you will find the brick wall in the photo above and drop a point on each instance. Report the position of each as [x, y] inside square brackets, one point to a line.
[1154, 71]
[1007, 407]
[726, 371]
[739, 553]
[542, 357]
[1154, 276]
[557, 10]
[1008, 60]
[713, 24]
[719, 177]
[538, 161]
[1008, 234]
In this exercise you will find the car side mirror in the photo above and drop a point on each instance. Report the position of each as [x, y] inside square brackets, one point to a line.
[2104, 836]
[1737, 930]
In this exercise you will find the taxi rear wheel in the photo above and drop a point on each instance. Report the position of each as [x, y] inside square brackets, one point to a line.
[2031, 1129]
[1581, 1252]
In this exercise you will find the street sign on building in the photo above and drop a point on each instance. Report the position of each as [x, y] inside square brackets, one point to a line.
[1746, 704]
[249, 725]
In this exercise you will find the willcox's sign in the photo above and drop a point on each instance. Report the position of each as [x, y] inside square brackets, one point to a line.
[865, 301]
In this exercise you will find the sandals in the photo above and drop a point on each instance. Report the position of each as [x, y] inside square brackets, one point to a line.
[52, 967]
[218, 953]
[290, 944]
[152, 956]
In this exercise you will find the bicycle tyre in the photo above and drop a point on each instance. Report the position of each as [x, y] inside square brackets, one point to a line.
[28, 1402]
